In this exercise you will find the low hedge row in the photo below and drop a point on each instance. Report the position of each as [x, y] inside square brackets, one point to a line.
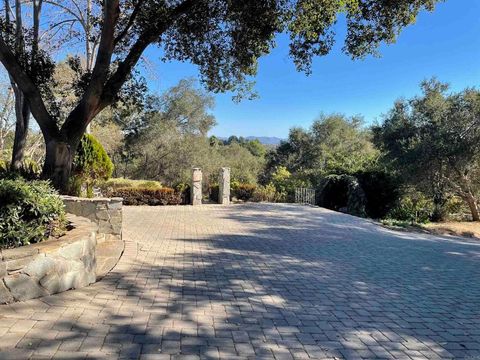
[147, 196]
[118, 183]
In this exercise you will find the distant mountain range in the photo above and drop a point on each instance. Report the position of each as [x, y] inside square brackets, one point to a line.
[265, 140]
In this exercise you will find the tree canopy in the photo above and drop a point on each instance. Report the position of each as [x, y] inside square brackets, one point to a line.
[433, 141]
[223, 38]
[334, 144]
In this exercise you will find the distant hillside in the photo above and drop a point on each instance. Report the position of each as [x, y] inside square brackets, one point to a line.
[266, 140]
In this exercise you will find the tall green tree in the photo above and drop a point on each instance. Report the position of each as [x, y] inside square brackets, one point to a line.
[223, 38]
[171, 129]
[433, 142]
[334, 144]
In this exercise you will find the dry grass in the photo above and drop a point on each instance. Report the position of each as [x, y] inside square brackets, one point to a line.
[466, 229]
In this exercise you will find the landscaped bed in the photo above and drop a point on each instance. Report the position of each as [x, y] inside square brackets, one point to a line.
[30, 212]
[51, 266]
[45, 250]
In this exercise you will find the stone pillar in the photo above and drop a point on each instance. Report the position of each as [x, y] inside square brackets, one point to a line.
[196, 189]
[224, 187]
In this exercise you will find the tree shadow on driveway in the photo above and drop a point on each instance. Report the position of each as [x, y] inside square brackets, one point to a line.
[265, 281]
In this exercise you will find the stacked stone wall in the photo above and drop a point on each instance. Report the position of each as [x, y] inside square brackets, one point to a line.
[105, 212]
[52, 266]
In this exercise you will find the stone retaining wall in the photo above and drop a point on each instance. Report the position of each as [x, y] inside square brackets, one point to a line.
[105, 212]
[52, 266]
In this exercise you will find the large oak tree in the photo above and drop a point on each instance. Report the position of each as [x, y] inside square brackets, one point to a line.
[224, 38]
[433, 142]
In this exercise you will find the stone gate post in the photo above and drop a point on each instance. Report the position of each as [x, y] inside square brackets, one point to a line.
[196, 189]
[224, 186]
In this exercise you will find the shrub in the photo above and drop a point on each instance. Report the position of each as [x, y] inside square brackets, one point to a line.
[147, 196]
[30, 212]
[457, 210]
[90, 165]
[184, 190]
[342, 193]
[116, 183]
[281, 179]
[381, 191]
[413, 207]
[285, 183]
[244, 191]
[148, 184]
[267, 193]
[29, 170]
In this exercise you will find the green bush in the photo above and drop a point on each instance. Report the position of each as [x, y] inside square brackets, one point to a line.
[267, 193]
[117, 183]
[457, 209]
[243, 191]
[184, 190]
[413, 207]
[281, 179]
[29, 170]
[342, 193]
[30, 212]
[91, 164]
[381, 191]
[149, 184]
[285, 183]
[147, 196]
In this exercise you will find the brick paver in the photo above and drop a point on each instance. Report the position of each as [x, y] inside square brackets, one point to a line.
[261, 281]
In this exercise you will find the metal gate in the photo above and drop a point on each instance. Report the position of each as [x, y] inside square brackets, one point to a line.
[305, 196]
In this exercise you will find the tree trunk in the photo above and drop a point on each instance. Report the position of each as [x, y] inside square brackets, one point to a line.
[22, 113]
[58, 164]
[472, 204]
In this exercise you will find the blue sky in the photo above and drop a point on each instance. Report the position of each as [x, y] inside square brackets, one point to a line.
[445, 44]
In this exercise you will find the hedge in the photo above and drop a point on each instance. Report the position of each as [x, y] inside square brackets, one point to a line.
[147, 196]
[244, 191]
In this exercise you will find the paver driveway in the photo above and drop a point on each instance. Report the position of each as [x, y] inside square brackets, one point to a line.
[262, 281]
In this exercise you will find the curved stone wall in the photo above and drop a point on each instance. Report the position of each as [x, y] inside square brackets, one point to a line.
[52, 266]
[107, 214]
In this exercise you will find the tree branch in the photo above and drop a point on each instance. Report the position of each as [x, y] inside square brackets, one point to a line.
[131, 20]
[79, 16]
[31, 91]
[125, 68]
[88, 106]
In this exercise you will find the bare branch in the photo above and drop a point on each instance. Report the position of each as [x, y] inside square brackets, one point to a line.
[78, 16]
